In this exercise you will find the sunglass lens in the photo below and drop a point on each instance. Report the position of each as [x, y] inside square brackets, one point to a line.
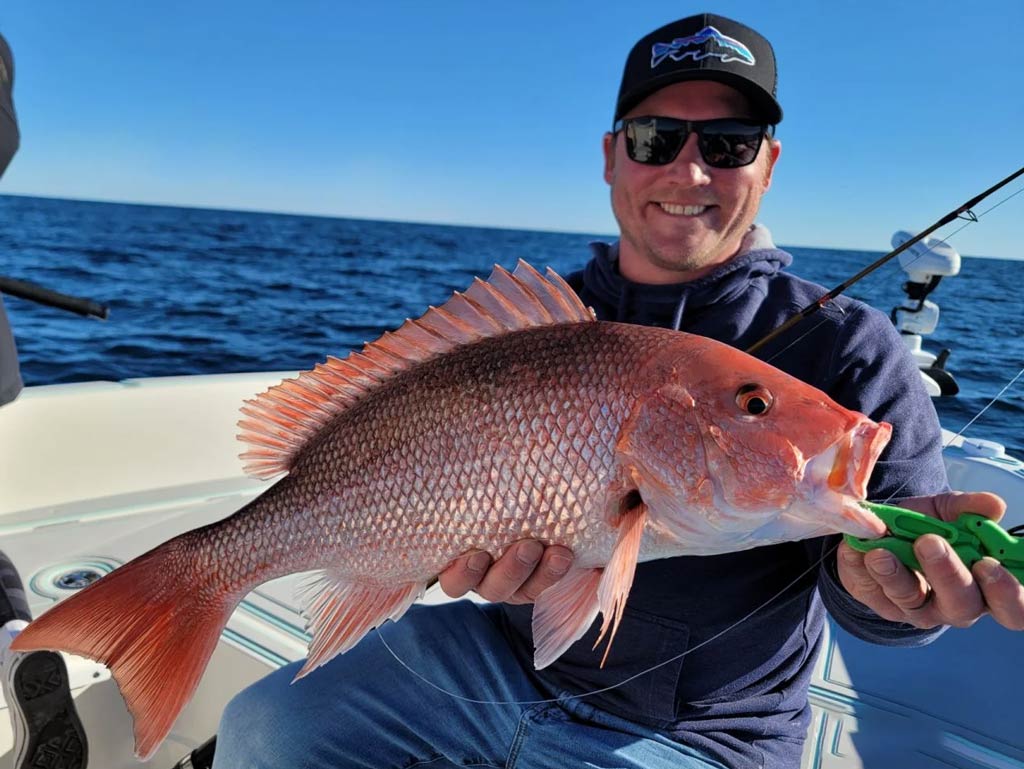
[654, 141]
[730, 144]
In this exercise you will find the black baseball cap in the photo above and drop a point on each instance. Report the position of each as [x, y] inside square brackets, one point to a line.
[702, 47]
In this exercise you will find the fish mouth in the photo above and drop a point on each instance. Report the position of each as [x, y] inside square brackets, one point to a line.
[841, 473]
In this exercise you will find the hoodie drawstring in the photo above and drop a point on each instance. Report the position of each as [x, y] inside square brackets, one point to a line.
[677, 318]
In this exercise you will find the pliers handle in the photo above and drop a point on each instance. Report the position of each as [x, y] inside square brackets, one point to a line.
[971, 536]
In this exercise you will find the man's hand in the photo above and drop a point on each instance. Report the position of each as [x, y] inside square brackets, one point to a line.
[948, 593]
[522, 573]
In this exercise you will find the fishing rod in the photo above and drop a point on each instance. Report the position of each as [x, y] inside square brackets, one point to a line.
[820, 302]
[36, 293]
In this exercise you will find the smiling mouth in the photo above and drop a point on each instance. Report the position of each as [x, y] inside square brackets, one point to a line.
[677, 210]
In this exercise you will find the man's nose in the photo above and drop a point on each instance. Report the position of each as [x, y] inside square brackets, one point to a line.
[689, 167]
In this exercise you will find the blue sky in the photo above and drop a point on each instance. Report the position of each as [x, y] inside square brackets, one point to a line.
[492, 113]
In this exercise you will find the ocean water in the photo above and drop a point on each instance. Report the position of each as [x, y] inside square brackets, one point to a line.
[195, 291]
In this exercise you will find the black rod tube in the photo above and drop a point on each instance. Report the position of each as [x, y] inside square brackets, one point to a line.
[36, 293]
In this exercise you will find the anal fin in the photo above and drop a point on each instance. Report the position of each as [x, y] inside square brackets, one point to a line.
[341, 612]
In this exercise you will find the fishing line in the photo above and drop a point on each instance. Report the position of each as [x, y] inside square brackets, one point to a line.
[973, 419]
[991, 403]
[828, 553]
[813, 567]
[975, 219]
[625, 681]
[818, 303]
[802, 336]
[993, 208]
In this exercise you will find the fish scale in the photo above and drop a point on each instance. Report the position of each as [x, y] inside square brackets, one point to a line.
[401, 475]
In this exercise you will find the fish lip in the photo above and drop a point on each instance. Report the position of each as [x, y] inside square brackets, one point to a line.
[841, 473]
[854, 456]
[867, 440]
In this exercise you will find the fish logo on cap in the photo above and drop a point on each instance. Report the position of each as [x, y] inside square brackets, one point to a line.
[709, 42]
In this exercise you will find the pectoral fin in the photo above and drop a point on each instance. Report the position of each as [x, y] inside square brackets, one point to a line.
[563, 613]
[618, 574]
[567, 609]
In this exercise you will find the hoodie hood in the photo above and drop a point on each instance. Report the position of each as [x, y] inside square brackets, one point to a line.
[616, 298]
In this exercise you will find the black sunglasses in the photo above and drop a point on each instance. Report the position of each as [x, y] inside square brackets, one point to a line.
[723, 142]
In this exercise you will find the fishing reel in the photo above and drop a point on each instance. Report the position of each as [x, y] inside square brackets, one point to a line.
[926, 262]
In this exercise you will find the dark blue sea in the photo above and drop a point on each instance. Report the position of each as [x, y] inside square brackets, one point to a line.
[195, 291]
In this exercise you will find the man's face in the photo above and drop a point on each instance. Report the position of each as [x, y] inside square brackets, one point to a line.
[680, 220]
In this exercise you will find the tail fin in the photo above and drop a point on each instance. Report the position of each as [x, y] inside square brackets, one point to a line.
[154, 622]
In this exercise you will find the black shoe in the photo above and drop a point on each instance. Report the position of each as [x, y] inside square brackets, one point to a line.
[201, 757]
[47, 732]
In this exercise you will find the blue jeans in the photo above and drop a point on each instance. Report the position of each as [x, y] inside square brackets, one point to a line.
[363, 709]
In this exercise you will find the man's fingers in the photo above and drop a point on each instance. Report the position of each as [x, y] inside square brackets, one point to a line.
[1004, 595]
[905, 589]
[464, 573]
[552, 567]
[957, 597]
[862, 585]
[952, 504]
[522, 573]
[510, 571]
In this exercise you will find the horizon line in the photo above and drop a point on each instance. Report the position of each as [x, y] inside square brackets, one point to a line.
[458, 225]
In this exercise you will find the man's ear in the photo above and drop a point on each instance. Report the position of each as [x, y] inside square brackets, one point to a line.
[609, 157]
[774, 151]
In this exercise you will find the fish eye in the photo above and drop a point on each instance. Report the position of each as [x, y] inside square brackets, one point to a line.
[754, 399]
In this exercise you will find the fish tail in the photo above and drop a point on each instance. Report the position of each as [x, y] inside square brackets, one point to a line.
[154, 622]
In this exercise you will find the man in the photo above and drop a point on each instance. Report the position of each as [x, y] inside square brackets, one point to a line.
[35, 685]
[690, 155]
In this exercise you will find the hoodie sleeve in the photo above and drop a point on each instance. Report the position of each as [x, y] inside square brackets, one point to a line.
[873, 372]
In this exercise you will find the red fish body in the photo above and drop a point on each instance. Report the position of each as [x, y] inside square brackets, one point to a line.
[507, 413]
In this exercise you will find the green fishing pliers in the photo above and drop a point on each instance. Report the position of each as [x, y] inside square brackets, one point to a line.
[971, 536]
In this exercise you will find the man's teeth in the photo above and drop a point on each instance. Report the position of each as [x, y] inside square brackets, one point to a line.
[672, 208]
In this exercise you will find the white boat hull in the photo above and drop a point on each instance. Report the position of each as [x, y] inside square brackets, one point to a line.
[94, 474]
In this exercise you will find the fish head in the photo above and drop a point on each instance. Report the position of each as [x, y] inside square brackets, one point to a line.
[760, 456]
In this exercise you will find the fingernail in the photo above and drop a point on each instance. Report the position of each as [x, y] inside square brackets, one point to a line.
[852, 557]
[990, 571]
[529, 552]
[478, 562]
[560, 564]
[930, 549]
[884, 565]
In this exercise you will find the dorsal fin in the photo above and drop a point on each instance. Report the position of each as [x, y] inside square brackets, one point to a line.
[280, 421]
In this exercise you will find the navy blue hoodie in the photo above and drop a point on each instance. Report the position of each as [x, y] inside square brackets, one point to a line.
[742, 698]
